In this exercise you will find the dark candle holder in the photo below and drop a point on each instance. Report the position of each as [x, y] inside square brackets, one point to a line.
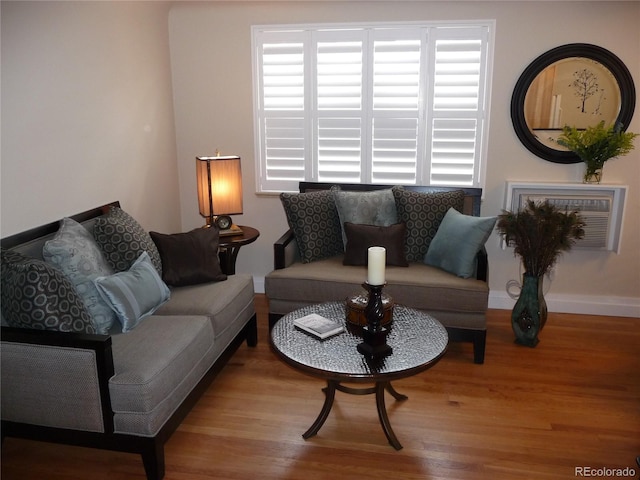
[374, 334]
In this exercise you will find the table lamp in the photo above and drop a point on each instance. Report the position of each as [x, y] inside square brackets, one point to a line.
[220, 191]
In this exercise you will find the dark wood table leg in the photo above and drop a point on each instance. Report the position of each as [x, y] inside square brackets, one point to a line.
[379, 389]
[228, 257]
[330, 393]
[394, 393]
[382, 412]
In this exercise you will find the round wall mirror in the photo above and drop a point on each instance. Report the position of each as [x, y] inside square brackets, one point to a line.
[577, 85]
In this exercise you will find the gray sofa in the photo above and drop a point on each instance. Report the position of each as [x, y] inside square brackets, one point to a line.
[458, 303]
[121, 391]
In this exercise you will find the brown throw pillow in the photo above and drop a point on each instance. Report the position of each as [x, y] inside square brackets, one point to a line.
[189, 258]
[361, 237]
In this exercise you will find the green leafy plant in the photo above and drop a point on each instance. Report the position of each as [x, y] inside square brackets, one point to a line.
[540, 233]
[597, 144]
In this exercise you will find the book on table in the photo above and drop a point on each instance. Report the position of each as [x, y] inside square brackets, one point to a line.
[318, 326]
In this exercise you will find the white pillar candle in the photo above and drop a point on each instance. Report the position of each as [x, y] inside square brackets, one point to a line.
[377, 260]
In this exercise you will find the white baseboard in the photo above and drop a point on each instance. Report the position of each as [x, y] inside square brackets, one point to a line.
[584, 304]
[258, 284]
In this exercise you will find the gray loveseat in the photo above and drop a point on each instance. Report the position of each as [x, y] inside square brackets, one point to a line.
[302, 276]
[119, 391]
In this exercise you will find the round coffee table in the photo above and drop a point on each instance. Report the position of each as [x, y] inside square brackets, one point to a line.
[418, 342]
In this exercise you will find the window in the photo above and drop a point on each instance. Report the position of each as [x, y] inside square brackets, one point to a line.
[386, 104]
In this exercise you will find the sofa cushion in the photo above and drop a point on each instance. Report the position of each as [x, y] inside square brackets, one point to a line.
[419, 286]
[223, 303]
[457, 242]
[361, 237]
[377, 207]
[314, 220]
[122, 240]
[37, 295]
[134, 294]
[422, 213]
[156, 366]
[189, 258]
[74, 251]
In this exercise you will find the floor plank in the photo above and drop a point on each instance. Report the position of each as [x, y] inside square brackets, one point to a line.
[573, 401]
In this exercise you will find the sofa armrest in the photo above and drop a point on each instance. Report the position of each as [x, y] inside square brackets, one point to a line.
[49, 378]
[482, 265]
[285, 250]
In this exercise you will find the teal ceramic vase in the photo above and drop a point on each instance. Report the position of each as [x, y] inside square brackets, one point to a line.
[529, 314]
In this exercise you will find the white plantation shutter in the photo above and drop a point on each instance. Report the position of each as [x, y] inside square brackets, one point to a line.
[396, 106]
[383, 104]
[457, 110]
[338, 106]
[284, 146]
[339, 74]
[339, 149]
[283, 121]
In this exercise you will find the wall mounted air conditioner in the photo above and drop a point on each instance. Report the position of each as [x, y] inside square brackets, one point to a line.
[601, 206]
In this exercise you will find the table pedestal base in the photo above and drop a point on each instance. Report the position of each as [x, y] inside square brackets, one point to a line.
[378, 389]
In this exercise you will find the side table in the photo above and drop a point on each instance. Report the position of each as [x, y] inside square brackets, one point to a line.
[229, 246]
[418, 341]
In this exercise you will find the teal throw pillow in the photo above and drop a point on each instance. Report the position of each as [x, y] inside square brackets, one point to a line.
[377, 207]
[134, 294]
[457, 241]
[74, 251]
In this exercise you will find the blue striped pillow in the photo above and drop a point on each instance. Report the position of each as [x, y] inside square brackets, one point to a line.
[134, 294]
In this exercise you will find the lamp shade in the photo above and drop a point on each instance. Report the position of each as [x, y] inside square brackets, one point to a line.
[219, 185]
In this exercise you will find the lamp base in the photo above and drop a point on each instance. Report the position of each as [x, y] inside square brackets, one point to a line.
[233, 230]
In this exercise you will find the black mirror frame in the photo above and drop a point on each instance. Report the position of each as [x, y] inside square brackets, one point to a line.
[618, 69]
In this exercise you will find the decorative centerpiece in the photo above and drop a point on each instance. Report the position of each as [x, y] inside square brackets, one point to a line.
[595, 145]
[356, 305]
[374, 335]
[539, 233]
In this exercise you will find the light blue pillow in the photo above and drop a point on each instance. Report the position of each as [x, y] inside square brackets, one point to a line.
[134, 294]
[74, 251]
[377, 207]
[458, 239]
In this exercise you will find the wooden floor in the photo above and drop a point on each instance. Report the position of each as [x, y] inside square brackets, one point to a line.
[572, 402]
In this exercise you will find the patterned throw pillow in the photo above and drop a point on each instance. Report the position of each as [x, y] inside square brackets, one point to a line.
[74, 252]
[377, 207]
[314, 220]
[122, 240]
[36, 295]
[422, 213]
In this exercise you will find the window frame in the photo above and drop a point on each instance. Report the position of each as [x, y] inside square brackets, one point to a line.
[425, 113]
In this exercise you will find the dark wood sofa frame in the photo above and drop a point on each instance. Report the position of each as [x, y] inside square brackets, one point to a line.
[473, 199]
[150, 448]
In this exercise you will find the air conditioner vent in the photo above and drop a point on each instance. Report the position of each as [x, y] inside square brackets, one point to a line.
[601, 206]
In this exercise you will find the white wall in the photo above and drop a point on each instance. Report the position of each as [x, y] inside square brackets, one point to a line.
[87, 116]
[211, 67]
[87, 112]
